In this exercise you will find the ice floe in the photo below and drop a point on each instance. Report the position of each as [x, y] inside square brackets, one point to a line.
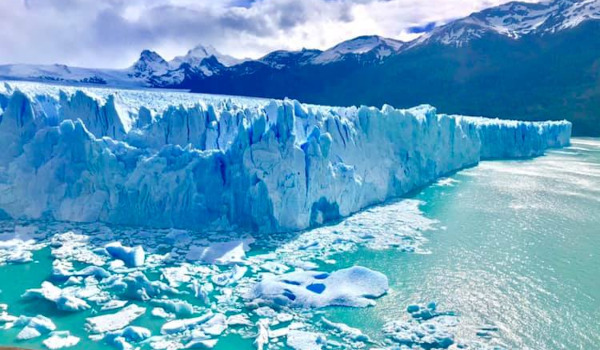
[33, 327]
[131, 256]
[122, 339]
[425, 329]
[116, 321]
[60, 339]
[223, 253]
[61, 298]
[355, 286]
[302, 340]
[184, 324]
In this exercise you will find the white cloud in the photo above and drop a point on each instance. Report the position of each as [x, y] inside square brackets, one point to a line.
[111, 33]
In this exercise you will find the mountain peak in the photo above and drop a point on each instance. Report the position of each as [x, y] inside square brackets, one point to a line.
[516, 19]
[150, 63]
[196, 55]
[360, 45]
[202, 50]
[150, 56]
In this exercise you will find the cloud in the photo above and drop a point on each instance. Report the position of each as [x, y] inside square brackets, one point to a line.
[111, 33]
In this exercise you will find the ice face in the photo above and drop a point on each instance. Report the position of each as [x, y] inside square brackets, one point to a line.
[215, 163]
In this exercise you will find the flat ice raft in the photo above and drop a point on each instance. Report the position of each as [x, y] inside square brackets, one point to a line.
[208, 162]
[354, 287]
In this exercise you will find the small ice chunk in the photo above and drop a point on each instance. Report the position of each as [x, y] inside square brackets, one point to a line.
[262, 338]
[178, 307]
[230, 276]
[161, 313]
[274, 267]
[114, 304]
[136, 286]
[28, 333]
[33, 327]
[72, 246]
[112, 322]
[59, 340]
[284, 317]
[279, 332]
[201, 291]
[177, 326]
[238, 320]
[201, 344]
[352, 333]
[222, 253]
[302, 340]
[216, 325]
[131, 256]
[426, 329]
[62, 299]
[265, 311]
[121, 339]
[95, 271]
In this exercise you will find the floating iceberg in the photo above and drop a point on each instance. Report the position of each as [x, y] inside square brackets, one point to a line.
[131, 256]
[33, 327]
[63, 299]
[116, 321]
[59, 340]
[356, 287]
[208, 162]
[302, 340]
[177, 326]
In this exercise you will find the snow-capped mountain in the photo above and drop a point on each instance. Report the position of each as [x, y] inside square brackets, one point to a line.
[149, 65]
[373, 44]
[515, 20]
[368, 47]
[150, 70]
[286, 59]
[71, 75]
[195, 56]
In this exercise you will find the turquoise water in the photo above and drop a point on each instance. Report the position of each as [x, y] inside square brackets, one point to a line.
[515, 250]
[520, 250]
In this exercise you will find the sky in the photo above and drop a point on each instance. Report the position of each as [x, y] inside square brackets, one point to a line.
[112, 33]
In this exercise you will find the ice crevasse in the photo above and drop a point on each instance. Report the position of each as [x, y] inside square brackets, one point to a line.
[206, 162]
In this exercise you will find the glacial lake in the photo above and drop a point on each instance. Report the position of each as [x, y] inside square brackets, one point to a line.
[509, 251]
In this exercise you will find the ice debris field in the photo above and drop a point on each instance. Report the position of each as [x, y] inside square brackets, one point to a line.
[252, 172]
[128, 288]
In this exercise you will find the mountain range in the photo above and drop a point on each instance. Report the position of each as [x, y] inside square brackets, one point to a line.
[528, 61]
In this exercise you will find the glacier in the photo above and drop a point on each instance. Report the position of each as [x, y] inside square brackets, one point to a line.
[208, 162]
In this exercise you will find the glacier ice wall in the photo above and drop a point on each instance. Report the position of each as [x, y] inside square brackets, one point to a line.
[216, 163]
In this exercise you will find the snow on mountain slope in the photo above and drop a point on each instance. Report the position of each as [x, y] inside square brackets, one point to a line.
[514, 20]
[213, 162]
[150, 70]
[149, 64]
[382, 47]
[195, 56]
[70, 75]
